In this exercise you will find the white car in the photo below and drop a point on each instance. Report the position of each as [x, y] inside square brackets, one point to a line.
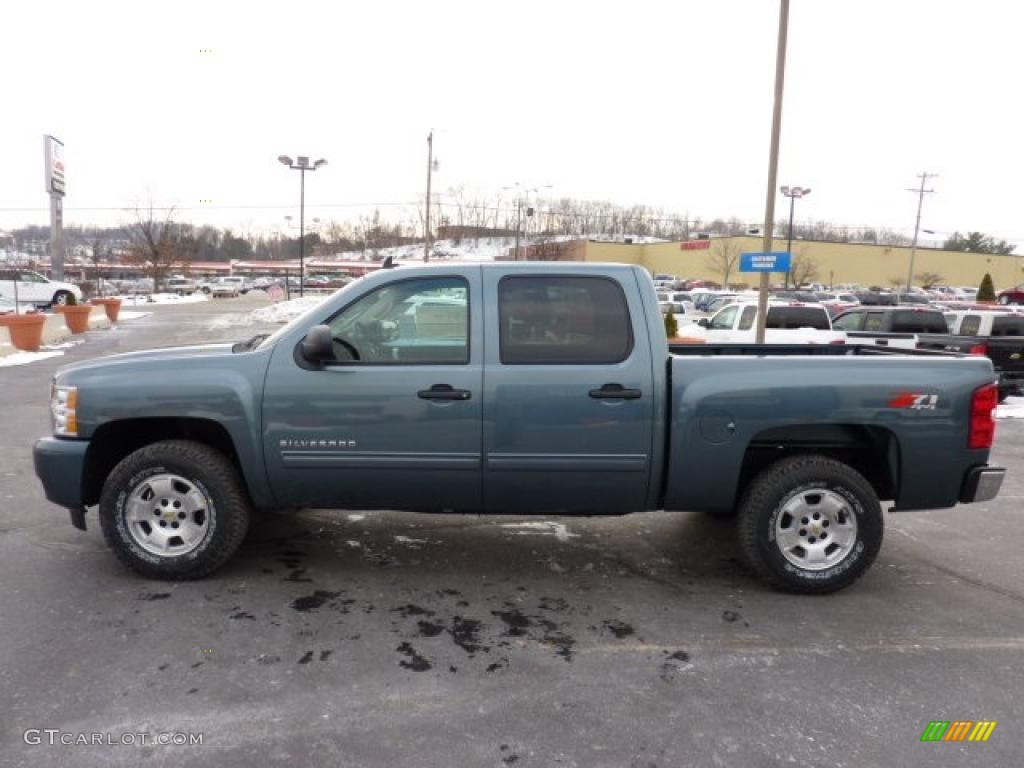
[229, 286]
[787, 323]
[34, 289]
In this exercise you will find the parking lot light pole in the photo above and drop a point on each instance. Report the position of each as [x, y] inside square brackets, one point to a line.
[773, 163]
[301, 164]
[792, 193]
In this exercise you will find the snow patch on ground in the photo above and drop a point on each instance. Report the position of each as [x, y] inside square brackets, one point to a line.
[129, 315]
[284, 311]
[1013, 408]
[24, 358]
[542, 528]
[163, 298]
[356, 518]
[231, 321]
[411, 541]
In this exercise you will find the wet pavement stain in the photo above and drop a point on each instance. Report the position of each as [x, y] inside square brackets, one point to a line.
[553, 604]
[314, 601]
[730, 616]
[325, 655]
[298, 575]
[405, 611]
[673, 664]
[619, 628]
[150, 596]
[429, 628]
[265, 659]
[307, 657]
[466, 634]
[243, 615]
[516, 622]
[415, 662]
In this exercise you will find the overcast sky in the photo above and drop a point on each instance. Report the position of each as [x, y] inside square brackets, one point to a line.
[662, 103]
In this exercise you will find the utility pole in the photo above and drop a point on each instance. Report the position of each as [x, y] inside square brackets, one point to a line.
[426, 216]
[917, 223]
[773, 163]
[519, 209]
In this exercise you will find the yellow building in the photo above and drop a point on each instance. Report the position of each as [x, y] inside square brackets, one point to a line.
[834, 263]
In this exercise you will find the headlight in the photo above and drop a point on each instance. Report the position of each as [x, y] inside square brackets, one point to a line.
[64, 410]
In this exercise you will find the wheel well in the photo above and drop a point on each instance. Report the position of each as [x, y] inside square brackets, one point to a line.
[114, 440]
[872, 451]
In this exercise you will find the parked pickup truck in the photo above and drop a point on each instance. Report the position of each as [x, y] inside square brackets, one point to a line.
[514, 388]
[889, 326]
[787, 322]
[997, 334]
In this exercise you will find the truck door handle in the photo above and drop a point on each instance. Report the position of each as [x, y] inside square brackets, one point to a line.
[882, 342]
[444, 392]
[615, 392]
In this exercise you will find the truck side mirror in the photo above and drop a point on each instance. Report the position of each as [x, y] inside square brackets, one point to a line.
[704, 322]
[318, 347]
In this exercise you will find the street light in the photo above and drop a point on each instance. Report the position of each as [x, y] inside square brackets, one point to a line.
[301, 164]
[521, 193]
[793, 193]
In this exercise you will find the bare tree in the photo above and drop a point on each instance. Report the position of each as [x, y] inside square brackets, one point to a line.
[928, 279]
[724, 257]
[802, 268]
[156, 243]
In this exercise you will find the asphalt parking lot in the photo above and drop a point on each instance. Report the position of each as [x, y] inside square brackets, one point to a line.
[351, 639]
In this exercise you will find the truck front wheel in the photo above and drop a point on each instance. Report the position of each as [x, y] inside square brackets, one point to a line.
[174, 510]
[810, 524]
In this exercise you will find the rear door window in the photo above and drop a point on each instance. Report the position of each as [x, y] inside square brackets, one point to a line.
[747, 318]
[563, 321]
[1008, 326]
[875, 321]
[916, 321]
[969, 325]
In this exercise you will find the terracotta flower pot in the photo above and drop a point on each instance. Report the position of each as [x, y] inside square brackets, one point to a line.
[75, 315]
[26, 331]
[112, 306]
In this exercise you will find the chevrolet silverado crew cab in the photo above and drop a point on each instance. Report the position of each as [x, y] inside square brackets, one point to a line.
[521, 388]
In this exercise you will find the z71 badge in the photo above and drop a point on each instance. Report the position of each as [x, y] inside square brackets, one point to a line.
[916, 401]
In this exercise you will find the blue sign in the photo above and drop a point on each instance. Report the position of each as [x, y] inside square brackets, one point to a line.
[773, 261]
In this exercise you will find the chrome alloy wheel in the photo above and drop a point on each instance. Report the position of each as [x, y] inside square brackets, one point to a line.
[167, 515]
[815, 529]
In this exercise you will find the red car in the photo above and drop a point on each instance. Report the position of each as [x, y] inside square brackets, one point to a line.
[1012, 295]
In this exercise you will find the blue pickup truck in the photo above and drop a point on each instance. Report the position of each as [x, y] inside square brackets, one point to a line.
[521, 388]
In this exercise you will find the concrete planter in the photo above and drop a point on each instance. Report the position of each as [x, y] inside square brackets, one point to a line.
[112, 306]
[75, 315]
[26, 331]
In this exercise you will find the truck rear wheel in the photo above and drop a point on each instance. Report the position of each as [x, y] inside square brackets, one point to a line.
[174, 510]
[810, 524]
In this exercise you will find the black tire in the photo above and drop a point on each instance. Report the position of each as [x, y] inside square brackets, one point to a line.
[212, 475]
[780, 483]
[61, 298]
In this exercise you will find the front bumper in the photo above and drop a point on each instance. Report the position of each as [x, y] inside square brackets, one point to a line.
[60, 465]
[982, 484]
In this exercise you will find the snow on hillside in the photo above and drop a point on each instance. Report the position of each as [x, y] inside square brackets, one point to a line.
[484, 249]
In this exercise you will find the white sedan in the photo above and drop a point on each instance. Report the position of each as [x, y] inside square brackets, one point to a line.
[34, 289]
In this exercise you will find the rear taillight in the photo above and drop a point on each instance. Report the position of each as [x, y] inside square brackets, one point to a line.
[983, 423]
[979, 349]
[838, 341]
